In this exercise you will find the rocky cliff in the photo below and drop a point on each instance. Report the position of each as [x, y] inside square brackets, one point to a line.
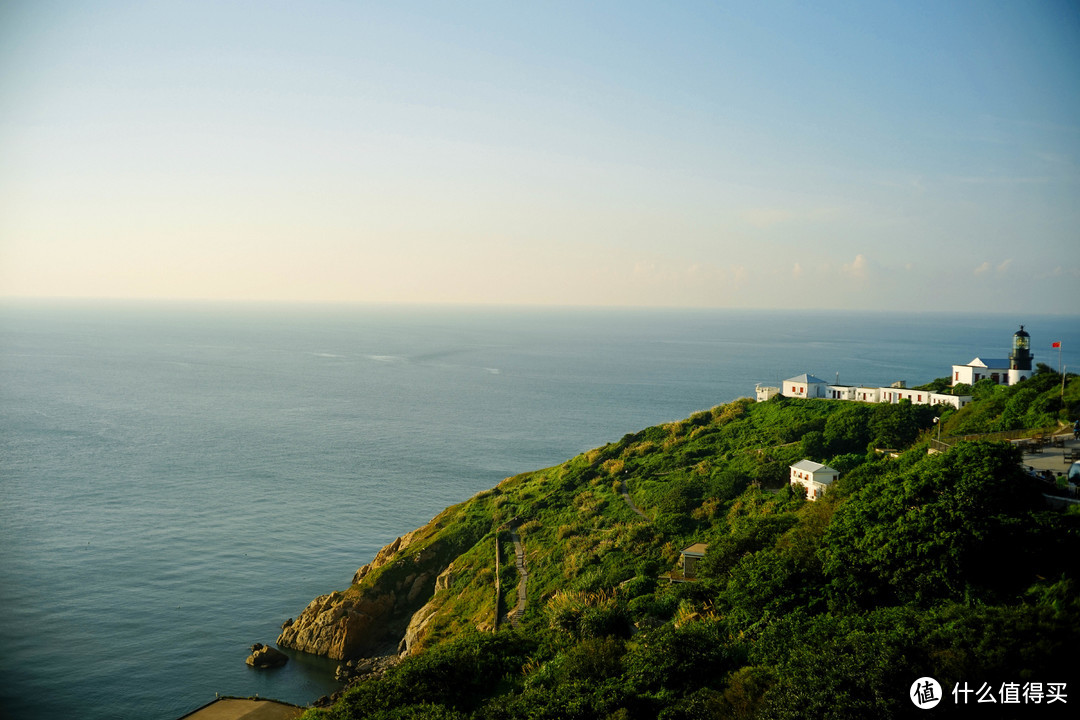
[384, 609]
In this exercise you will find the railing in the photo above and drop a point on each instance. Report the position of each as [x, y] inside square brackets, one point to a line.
[939, 446]
[1042, 435]
[1006, 434]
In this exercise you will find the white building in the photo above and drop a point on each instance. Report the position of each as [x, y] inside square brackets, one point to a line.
[923, 397]
[1003, 371]
[895, 395]
[840, 392]
[808, 386]
[957, 401]
[997, 369]
[813, 476]
[804, 386]
[868, 394]
[765, 393]
[1016, 368]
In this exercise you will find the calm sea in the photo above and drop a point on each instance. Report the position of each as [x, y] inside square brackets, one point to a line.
[178, 479]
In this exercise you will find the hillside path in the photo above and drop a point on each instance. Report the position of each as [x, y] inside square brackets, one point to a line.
[516, 614]
[626, 497]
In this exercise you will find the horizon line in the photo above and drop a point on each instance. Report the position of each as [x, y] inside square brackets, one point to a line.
[466, 305]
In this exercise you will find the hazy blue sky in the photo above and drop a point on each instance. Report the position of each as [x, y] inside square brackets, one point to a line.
[908, 155]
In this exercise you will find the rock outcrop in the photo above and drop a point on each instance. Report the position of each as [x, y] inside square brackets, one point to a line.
[372, 616]
[266, 657]
[418, 623]
[341, 626]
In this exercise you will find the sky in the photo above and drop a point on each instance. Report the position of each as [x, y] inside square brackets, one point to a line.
[867, 155]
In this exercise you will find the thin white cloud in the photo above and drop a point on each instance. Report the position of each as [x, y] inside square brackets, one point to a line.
[857, 268]
[1060, 272]
[999, 269]
[797, 271]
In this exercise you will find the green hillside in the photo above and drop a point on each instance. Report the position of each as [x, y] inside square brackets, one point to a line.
[1040, 402]
[950, 565]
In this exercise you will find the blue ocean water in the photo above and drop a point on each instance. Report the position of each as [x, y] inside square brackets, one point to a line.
[177, 479]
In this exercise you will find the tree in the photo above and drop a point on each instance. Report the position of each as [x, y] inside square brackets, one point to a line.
[1012, 417]
[985, 389]
[676, 658]
[813, 445]
[895, 426]
[848, 429]
[950, 526]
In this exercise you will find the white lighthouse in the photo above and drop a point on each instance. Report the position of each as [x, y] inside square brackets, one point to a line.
[1020, 357]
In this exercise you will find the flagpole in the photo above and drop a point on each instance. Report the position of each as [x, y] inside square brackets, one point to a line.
[1061, 370]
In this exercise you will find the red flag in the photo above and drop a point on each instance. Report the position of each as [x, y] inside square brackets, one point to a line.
[1057, 345]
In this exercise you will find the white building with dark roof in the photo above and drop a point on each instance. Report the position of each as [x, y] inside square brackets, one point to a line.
[805, 386]
[997, 369]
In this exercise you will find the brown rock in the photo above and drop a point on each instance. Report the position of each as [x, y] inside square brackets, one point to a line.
[266, 657]
[375, 613]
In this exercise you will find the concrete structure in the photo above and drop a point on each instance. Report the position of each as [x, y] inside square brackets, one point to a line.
[245, 709]
[813, 476]
[690, 558]
[765, 393]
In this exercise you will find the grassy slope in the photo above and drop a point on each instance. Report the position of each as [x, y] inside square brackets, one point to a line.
[593, 561]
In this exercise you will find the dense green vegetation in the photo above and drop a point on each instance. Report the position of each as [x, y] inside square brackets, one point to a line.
[949, 565]
[1040, 402]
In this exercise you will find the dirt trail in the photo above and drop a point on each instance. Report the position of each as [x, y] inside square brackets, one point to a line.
[516, 614]
[626, 497]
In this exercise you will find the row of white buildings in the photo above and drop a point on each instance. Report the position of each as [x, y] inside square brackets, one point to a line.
[808, 386]
[1016, 368]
